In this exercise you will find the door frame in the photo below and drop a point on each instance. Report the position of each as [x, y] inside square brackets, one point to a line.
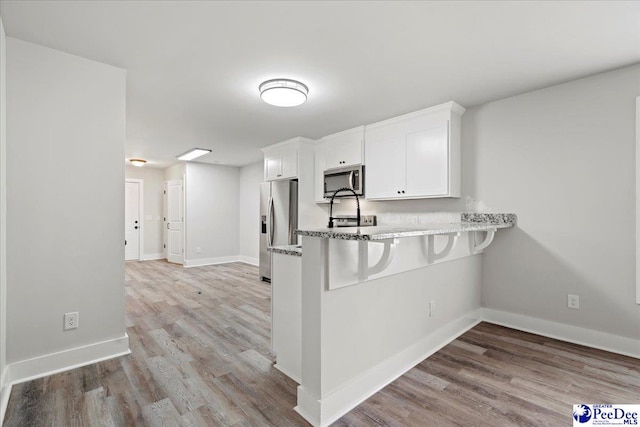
[165, 212]
[140, 183]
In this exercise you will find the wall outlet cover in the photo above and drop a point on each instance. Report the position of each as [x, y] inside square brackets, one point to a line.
[71, 320]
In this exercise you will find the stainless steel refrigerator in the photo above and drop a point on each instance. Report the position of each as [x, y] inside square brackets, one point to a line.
[278, 219]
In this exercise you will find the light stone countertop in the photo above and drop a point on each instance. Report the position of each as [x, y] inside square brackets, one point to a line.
[295, 250]
[469, 222]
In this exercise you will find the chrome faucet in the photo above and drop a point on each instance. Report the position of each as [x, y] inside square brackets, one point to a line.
[357, 204]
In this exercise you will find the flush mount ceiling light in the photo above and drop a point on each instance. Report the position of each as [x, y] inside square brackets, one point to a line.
[192, 154]
[283, 92]
[138, 162]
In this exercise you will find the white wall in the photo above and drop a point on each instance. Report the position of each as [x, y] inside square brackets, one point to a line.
[174, 172]
[251, 176]
[153, 188]
[211, 214]
[3, 222]
[65, 199]
[562, 159]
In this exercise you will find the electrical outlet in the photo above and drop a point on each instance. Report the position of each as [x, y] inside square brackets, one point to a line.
[413, 219]
[573, 301]
[198, 249]
[71, 320]
[432, 308]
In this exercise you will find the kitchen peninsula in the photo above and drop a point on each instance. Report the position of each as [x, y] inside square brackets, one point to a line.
[376, 301]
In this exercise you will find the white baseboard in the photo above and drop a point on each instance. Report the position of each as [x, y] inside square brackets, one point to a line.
[151, 257]
[49, 364]
[201, 262]
[288, 373]
[210, 261]
[561, 331]
[249, 260]
[321, 413]
[5, 392]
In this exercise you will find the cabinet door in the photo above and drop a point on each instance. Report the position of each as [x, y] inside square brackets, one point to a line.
[427, 159]
[272, 167]
[384, 167]
[344, 151]
[289, 165]
[344, 148]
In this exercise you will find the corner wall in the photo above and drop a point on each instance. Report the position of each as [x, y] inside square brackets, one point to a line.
[4, 388]
[65, 224]
[562, 159]
[153, 188]
[211, 214]
[251, 176]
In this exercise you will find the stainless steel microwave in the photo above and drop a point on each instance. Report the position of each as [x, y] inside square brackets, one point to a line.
[346, 177]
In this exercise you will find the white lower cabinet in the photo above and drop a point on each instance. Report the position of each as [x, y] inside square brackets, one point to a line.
[414, 156]
[286, 313]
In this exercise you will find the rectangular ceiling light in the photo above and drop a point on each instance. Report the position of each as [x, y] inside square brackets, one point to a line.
[192, 154]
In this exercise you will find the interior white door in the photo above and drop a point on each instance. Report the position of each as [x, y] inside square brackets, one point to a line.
[174, 221]
[131, 220]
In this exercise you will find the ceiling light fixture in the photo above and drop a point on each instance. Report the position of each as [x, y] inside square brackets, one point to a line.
[283, 92]
[192, 154]
[138, 162]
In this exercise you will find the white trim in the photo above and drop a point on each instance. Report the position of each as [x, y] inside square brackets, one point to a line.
[5, 392]
[140, 183]
[249, 260]
[288, 373]
[183, 213]
[210, 261]
[358, 130]
[321, 413]
[53, 363]
[201, 262]
[560, 331]
[298, 140]
[151, 257]
[4, 378]
[638, 200]
[447, 106]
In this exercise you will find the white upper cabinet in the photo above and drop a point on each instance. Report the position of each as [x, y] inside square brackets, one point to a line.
[281, 161]
[343, 148]
[414, 156]
[334, 151]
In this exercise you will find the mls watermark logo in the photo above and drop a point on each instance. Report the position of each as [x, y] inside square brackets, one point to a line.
[581, 413]
[605, 415]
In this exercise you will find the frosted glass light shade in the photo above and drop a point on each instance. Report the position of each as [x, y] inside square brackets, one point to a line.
[283, 92]
[192, 154]
[138, 162]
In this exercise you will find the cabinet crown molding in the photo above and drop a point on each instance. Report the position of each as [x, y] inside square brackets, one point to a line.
[297, 141]
[358, 129]
[447, 106]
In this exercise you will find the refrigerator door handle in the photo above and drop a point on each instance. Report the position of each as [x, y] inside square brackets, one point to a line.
[270, 221]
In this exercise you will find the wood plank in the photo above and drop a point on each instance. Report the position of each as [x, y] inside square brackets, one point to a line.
[200, 357]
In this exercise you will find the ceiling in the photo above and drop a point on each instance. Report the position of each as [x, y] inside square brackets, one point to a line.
[193, 68]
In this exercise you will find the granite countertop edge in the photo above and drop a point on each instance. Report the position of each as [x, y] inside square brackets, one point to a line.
[294, 250]
[469, 222]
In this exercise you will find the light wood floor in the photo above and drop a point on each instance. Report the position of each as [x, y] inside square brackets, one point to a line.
[200, 357]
